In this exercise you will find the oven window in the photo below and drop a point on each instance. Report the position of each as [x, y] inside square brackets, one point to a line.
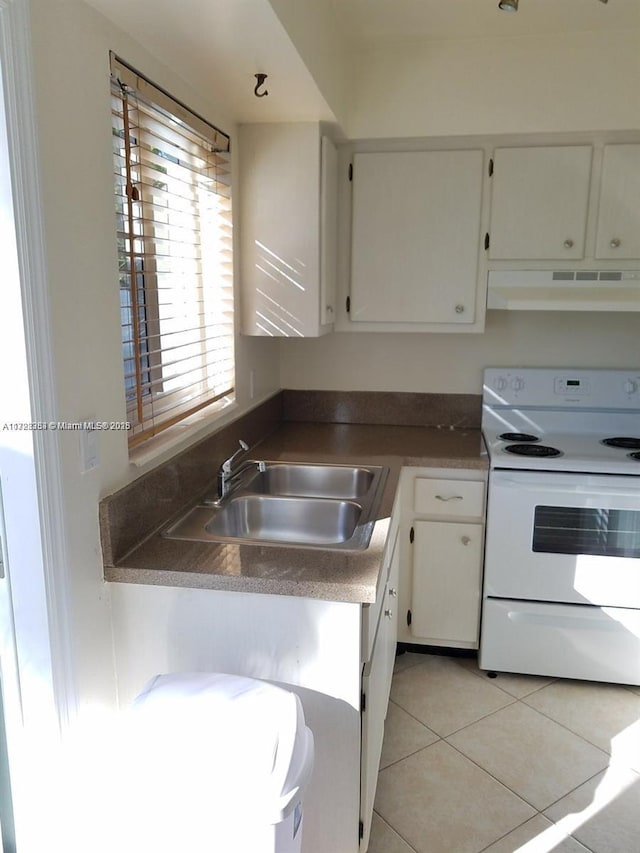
[601, 532]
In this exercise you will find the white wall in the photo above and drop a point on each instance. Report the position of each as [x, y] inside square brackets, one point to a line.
[71, 44]
[581, 81]
[453, 363]
[322, 45]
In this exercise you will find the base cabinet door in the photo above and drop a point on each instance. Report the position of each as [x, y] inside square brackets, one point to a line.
[445, 601]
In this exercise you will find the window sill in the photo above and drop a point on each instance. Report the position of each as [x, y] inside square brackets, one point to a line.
[180, 436]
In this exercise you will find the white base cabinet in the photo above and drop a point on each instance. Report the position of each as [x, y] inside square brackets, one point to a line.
[376, 686]
[337, 656]
[442, 549]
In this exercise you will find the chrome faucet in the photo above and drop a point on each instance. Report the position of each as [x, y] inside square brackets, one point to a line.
[226, 474]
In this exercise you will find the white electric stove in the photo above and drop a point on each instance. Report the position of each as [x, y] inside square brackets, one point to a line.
[562, 560]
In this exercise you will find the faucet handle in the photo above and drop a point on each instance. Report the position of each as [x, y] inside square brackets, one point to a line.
[226, 465]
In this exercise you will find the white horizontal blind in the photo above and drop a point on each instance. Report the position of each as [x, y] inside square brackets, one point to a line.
[174, 230]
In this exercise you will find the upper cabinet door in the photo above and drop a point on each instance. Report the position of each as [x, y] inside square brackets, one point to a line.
[328, 230]
[539, 202]
[287, 229]
[415, 236]
[618, 233]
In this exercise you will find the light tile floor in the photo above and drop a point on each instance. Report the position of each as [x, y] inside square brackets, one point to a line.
[515, 763]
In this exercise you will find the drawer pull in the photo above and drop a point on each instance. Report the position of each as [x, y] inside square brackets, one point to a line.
[449, 498]
[465, 540]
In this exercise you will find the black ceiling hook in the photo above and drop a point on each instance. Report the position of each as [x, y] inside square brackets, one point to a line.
[260, 78]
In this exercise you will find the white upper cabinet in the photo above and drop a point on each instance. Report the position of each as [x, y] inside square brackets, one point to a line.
[415, 238]
[540, 202]
[618, 230]
[288, 188]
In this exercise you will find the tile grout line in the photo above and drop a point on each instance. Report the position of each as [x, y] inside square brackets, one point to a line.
[520, 797]
[483, 674]
[410, 846]
[508, 832]
[527, 696]
[413, 717]
[410, 755]
[538, 814]
[577, 734]
[515, 793]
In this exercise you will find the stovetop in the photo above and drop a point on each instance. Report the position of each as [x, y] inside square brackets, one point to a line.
[584, 453]
[557, 420]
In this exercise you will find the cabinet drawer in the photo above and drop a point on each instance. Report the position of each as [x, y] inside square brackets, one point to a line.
[449, 497]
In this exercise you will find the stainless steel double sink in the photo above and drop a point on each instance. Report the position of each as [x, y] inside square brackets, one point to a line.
[289, 503]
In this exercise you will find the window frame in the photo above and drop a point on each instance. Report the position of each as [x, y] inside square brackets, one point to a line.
[196, 270]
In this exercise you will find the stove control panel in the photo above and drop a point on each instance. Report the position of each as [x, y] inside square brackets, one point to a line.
[589, 389]
[572, 385]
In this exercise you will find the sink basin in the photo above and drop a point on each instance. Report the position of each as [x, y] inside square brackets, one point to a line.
[288, 503]
[312, 521]
[319, 481]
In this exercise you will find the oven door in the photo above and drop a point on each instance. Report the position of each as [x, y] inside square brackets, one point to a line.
[571, 538]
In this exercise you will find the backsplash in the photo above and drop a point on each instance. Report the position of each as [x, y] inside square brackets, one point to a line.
[461, 411]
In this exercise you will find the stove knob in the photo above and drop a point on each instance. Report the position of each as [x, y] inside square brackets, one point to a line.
[629, 386]
[500, 383]
[518, 383]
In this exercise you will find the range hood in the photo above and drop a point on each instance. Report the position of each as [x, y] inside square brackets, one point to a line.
[564, 290]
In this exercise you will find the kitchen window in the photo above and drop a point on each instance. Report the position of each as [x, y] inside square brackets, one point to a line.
[174, 236]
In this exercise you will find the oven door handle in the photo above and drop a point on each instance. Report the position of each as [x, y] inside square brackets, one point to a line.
[563, 621]
[546, 489]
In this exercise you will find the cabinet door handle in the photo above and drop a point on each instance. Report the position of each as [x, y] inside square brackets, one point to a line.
[568, 244]
[393, 592]
[449, 498]
[459, 309]
[615, 243]
[465, 540]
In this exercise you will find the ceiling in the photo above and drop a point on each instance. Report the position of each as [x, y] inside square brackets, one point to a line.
[379, 20]
[232, 40]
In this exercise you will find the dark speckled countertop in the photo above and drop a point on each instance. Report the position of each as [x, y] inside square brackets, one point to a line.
[313, 573]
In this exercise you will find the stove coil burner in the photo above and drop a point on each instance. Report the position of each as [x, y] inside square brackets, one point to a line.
[539, 450]
[634, 455]
[519, 436]
[622, 441]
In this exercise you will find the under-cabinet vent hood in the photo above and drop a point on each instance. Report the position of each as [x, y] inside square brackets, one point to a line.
[564, 290]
